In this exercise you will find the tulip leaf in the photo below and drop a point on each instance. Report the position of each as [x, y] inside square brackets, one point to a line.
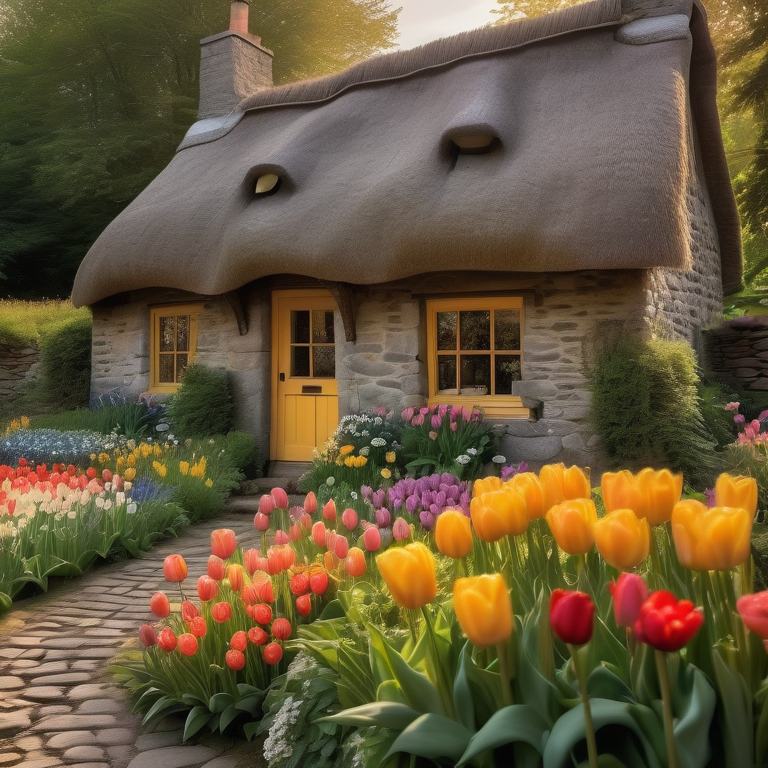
[251, 703]
[219, 702]
[605, 684]
[516, 723]
[228, 716]
[462, 693]
[161, 708]
[695, 703]
[390, 690]
[196, 719]
[432, 736]
[735, 714]
[384, 714]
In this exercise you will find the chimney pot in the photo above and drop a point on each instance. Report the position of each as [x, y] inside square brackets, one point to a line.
[238, 17]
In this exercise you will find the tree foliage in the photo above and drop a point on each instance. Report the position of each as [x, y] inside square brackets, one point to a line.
[95, 97]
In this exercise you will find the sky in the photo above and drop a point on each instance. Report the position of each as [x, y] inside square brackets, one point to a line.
[425, 20]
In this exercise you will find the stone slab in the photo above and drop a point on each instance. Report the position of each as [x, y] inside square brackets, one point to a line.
[173, 757]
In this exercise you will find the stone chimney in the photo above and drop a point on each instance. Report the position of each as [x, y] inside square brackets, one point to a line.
[233, 65]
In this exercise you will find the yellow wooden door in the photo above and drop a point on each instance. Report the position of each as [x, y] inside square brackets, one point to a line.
[305, 408]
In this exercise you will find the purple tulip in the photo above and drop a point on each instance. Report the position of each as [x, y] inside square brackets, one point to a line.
[427, 519]
[383, 517]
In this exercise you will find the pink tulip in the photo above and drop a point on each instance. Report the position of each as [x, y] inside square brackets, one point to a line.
[629, 594]
[310, 503]
[349, 518]
[372, 539]
[281, 537]
[280, 497]
[261, 521]
[401, 530]
[266, 505]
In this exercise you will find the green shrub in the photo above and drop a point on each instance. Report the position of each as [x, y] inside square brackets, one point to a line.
[24, 323]
[66, 421]
[714, 397]
[116, 413]
[647, 410]
[203, 405]
[243, 453]
[66, 364]
[749, 460]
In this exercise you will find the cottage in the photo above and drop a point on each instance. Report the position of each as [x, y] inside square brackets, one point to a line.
[465, 222]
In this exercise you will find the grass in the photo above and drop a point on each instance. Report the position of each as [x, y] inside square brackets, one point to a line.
[25, 322]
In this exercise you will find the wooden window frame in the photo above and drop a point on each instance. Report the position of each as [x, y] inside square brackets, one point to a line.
[171, 310]
[499, 406]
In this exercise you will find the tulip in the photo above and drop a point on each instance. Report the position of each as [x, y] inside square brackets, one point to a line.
[280, 497]
[188, 644]
[147, 635]
[318, 582]
[330, 561]
[273, 653]
[281, 629]
[754, 613]
[223, 543]
[622, 539]
[236, 577]
[329, 511]
[571, 524]
[235, 660]
[740, 492]
[188, 611]
[266, 505]
[239, 641]
[160, 605]
[349, 518]
[264, 589]
[318, 533]
[529, 487]
[166, 640]
[303, 605]
[305, 521]
[500, 513]
[251, 560]
[250, 594]
[300, 584]
[401, 530]
[221, 612]
[571, 616]
[262, 614]
[629, 593]
[281, 537]
[310, 503]
[294, 533]
[453, 534]
[559, 484]
[354, 564]
[341, 547]
[215, 568]
[175, 568]
[261, 521]
[198, 627]
[409, 573]
[484, 609]
[666, 623]
[621, 490]
[486, 484]
[711, 539]
[258, 636]
[372, 539]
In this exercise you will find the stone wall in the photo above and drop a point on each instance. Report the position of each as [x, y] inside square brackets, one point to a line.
[737, 351]
[19, 367]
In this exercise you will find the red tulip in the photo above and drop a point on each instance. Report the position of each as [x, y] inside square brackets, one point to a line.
[215, 568]
[280, 497]
[72, 469]
[341, 547]
[189, 611]
[188, 644]
[300, 584]
[239, 641]
[355, 565]
[273, 653]
[281, 537]
[221, 612]
[318, 533]
[401, 530]
[147, 635]
[258, 636]
[90, 473]
[175, 568]
[310, 503]
[235, 660]
[281, 629]
[304, 605]
[160, 605]
[266, 505]
[106, 475]
[754, 613]
[629, 594]
[251, 560]
[223, 543]
[166, 640]
[236, 578]
[198, 627]
[318, 582]
[261, 521]
[666, 623]
[262, 614]
[571, 616]
[349, 518]
[372, 540]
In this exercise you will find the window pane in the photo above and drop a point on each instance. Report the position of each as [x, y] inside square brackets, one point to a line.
[475, 330]
[322, 326]
[167, 334]
[166, 369]
[300, 328]
[182, 361]
[475, 374]
[446, 374]
[446, 330]
[507, 329]
[324, 362]
[300, 361]
[182, 333]
[507, 371]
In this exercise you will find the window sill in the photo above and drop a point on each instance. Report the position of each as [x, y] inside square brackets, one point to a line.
[493, 407]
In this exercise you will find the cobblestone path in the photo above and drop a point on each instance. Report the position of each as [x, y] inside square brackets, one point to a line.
[58, 704]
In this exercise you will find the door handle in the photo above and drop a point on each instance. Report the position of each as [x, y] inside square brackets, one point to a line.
[282, 377]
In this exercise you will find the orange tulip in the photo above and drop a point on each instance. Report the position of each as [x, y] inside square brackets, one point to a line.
[354, 564]
[187, 644]
[571, 524]
[500, 513]
[236, 578]
[215, 568]
[623, 539]
[650, 494]
[715, 539]
[453, 533]
[485, 484]
[330, 561]
[560, 484]
[223, 543]
[484, 609]
[529, 487]
[621, 490]
[739, 491]
[409, 573]
[175, 568]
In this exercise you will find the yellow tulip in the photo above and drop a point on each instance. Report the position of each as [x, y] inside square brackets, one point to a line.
[715, 539]
[484, 609]
[560, 484]
[409, 573]
[650, 494]
[500, 513]
[529, 487]
[571, 524]
[621, 490]
[739, 491]
[622, 538]
[130, 473]
[453, 533]
[485, 484]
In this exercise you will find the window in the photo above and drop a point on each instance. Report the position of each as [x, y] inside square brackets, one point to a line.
[475, 353]
[313, 351]
[174, 343]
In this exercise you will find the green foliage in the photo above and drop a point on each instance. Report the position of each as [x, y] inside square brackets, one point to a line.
[243, 453]
[81, 419]
[646, 409]
[719, 422]
[203, 405]
[23, 323]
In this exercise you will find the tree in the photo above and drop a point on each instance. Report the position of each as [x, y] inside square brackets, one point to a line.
[97, 95]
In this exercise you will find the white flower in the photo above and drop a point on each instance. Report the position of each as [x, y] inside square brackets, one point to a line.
[378, 421]
[378, 442]
[472, 451]
[119, 498]
[365, 450]
[277, 747]
[330, 481]
[353, 495]
[499, 459]
[365, 433]
[132, 508]
[463, 459]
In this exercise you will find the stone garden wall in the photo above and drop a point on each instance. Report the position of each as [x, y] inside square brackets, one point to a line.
[19, 367]
[737, 351]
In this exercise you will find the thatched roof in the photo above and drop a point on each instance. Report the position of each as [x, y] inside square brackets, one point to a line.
[595, 115]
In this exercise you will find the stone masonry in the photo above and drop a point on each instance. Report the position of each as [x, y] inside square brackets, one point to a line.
[737, 351]
[19, 366]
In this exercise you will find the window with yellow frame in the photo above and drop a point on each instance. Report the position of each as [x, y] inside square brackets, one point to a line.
[174, 344]
[475, 348]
